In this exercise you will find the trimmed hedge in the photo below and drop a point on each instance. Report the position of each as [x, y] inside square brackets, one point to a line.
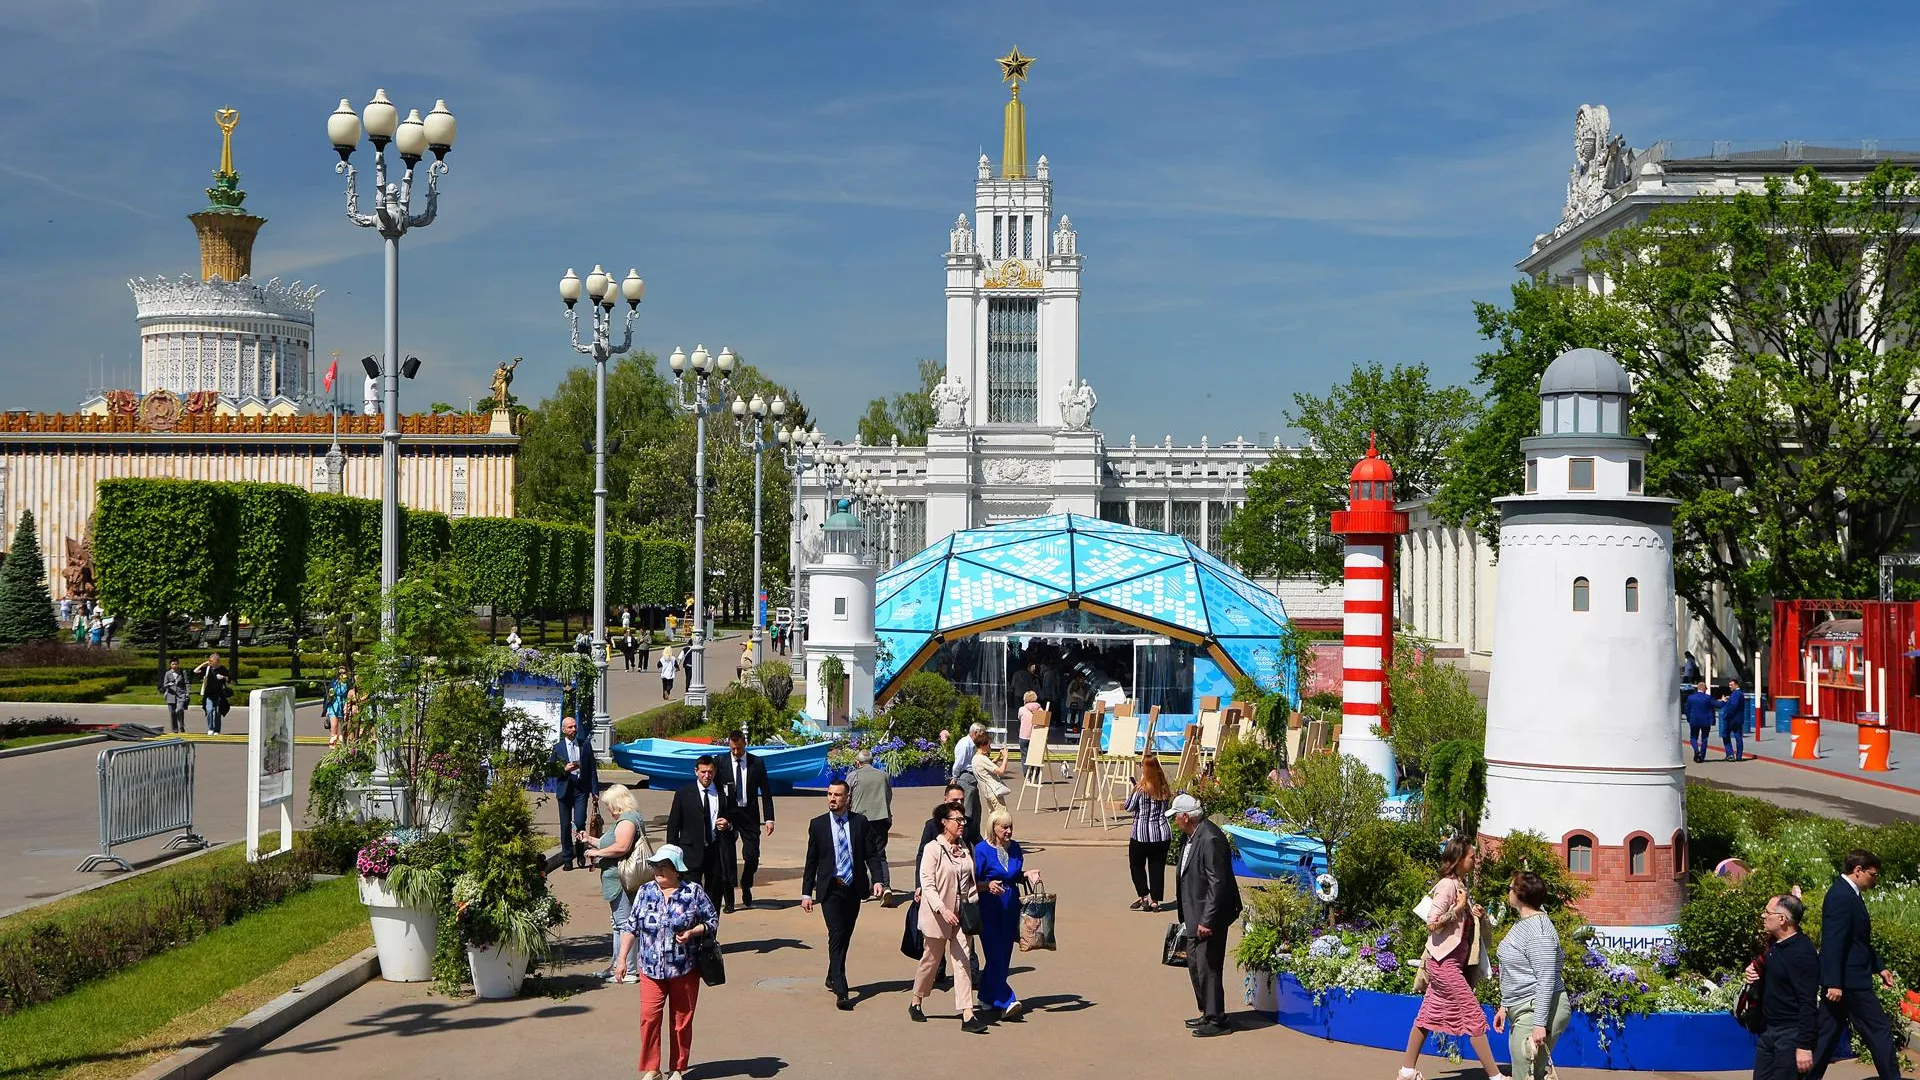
[164, 546]
[44, 959]
[10, 677]
[83, 691]
[270, 556]
[426, 537]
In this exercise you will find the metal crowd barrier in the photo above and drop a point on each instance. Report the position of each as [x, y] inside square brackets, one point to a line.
[145, 790]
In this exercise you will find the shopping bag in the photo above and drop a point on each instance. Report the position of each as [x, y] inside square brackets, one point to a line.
[1036, 922]
[1173, 950]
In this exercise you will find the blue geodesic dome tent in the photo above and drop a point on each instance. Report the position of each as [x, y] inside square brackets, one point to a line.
[1008, 574]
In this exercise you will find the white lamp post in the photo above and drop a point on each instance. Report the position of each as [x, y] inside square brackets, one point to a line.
[393, 216]
[799, 450]
[757, 438]
[604, 294]
[700, 368]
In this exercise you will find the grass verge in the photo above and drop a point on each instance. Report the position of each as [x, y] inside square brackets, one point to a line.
[35, 740]
[116, 1026]
[148, 884]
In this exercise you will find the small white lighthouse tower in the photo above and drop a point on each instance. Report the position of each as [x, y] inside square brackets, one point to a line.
[840, 622]
[1581, 740]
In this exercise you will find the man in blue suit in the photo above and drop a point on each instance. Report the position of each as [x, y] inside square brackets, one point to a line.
[1733, 721]
[577, 783]
[1848, 966]
[1700, 712]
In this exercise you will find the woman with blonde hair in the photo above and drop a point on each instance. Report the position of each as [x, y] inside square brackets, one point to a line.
[1449, 1007]
[1030, 711]
[989, 775]
[1147, 847]
[629, 829]
[999, 870]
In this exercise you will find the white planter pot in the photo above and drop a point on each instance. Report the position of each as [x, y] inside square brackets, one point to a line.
[405, 936]
[498, 971]
[1263, 993]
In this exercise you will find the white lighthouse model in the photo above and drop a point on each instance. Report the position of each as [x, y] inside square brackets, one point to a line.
[840, 622]
[1582, 746]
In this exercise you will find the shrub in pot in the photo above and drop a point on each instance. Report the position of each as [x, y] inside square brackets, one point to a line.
[503, 907]
[402, 881]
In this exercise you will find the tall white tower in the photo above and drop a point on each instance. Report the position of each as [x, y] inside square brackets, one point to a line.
[1013, 286]
[840, 621]
[1582, 744]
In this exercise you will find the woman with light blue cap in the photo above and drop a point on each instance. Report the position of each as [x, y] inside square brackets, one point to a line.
[669, 914]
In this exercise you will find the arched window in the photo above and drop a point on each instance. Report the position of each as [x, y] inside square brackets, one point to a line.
[1680, 851]
[1639, 855]
[1580, 853]
[1580, 594]
[1633, 594]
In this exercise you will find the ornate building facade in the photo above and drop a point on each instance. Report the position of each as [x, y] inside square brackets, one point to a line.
[1014, 436]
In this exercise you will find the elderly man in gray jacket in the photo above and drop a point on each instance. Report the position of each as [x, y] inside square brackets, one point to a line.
[1209, 902]
[870, 790]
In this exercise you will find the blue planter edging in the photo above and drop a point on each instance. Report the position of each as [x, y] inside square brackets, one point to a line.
[917, 776]
[1662, 1042]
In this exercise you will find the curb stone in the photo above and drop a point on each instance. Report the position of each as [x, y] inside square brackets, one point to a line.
[266, 1023]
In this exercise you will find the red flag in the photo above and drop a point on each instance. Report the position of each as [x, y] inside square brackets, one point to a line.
[332, 370]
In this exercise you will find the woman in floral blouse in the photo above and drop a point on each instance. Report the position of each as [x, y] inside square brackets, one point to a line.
[668, 916]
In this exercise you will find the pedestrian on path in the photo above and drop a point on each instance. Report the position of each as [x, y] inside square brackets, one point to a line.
[176, 692]
[1532, 997]
[216, 686]
[1147, 847]
[333, 708]
[1453, 925]
[669, 667]
[999, 868]
[629, 831]
[841, 869]
[669, 913]
[1789, 978]
[1733, 721]
[1701, 712]
[947, 887]
[1848, 967]
[629, 648]
[513, 638]
[870, 790]
[1209, 902]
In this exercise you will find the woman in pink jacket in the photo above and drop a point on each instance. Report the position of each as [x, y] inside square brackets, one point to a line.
[947, 883]
[1449, 1007]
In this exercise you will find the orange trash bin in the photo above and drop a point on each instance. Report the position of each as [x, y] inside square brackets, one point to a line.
[1876, 743]
[1806, 738]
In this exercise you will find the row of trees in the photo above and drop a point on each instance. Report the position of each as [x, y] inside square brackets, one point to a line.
[274, 554]
[1774, 343]
[650, 470]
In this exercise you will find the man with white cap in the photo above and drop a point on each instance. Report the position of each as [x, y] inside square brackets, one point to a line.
[1209, 902]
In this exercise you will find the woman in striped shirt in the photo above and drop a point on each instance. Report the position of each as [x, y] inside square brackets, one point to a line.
[1532, 997]
[1147, 847]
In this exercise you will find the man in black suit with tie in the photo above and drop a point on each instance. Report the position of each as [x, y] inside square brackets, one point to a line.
[1848, 966]
[843, 867]
[748, 801]
[696, 824]
[577, 782]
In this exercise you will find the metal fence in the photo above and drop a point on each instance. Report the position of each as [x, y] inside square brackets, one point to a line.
[145, 790]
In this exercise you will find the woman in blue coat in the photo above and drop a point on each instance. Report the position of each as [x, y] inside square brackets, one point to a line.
[998, 867]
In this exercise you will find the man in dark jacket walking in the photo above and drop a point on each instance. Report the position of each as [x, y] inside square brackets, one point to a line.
[1789, 978]
[1701, 712]
[1848, 966]
[1209, 902]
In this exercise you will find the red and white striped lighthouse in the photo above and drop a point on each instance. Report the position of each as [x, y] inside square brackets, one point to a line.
[1370, 526]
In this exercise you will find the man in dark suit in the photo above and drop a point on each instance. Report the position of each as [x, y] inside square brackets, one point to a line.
[748, 806]
[1848, 966]
[1209, 902]
[696, 824]
[842, 868]
[577, 783]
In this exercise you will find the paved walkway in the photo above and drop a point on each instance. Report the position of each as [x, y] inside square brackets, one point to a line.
[1839, 754]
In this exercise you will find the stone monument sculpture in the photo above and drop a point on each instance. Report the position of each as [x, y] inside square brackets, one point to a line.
[950, 397]
[1077, 403]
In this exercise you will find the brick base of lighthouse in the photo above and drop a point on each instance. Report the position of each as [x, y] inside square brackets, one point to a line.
[1617, 897]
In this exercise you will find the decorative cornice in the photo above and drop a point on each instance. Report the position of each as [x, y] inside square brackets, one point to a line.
[189, 297]
[316, 424]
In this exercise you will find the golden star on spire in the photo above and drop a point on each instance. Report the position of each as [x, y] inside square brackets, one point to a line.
[1013, 66]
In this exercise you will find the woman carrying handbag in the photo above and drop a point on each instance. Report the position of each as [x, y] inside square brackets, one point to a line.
[949, 915]
[1453, 922]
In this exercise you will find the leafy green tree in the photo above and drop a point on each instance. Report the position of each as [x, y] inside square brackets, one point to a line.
[554, 473]
[26, 607]
[1331, 795]
[270, 559]
[1455, 794]
[1544, 321]
[1282, 530]
[908, 416]
[1433, 702]
[164, 547]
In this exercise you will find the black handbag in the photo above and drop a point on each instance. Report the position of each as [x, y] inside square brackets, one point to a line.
[1746, 1007]
[913, 944]
[708, 961]
[970, 918]
[1173, 951]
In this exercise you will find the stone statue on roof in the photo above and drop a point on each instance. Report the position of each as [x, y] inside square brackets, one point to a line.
[1077, 403]
[950, 397]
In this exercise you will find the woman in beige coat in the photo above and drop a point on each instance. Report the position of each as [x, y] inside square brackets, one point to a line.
[946, 882]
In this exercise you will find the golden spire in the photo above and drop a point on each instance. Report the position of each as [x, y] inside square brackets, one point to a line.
[228, 119]
[1013, 151]
[226, 230]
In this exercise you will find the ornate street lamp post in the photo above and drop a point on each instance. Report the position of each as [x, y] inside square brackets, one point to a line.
[393, 216]
[603, 296]
[699, 369]
[756, 438]
[799, 450]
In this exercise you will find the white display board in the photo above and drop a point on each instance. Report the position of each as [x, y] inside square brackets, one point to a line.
[544, 702]
[269, 764]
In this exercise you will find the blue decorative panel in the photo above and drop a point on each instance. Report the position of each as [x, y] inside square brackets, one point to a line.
[1169, 596]
[975, 593]
[915, 605]
[1047, 559]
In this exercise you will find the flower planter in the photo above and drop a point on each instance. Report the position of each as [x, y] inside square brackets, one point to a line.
[921, 776]
[1662, 1042]
[440, 815]
[497, 970]
[1263, 993]
[404, 936]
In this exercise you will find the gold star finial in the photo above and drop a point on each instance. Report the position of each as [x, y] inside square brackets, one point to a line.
[1013, 66]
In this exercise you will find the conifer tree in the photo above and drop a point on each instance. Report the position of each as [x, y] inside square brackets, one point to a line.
[26, 608]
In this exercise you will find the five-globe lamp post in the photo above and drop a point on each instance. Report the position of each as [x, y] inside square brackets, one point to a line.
[799, 450]
[604, 294]
[694, 375]
[756, 438]
[413, 138]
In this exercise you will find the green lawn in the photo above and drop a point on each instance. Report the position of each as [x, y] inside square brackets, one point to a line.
[146, 694]
[147, 884]
[35, 740]
[92, 1025]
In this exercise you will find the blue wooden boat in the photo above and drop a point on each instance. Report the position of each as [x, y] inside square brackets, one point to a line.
[668, 763]
[1271, 855]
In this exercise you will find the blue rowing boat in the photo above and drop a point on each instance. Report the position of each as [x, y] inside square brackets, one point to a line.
[668, 763]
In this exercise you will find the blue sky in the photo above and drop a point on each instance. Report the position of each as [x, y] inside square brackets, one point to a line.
[1265, 193]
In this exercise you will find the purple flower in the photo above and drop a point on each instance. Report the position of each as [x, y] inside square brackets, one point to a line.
[1383, 941]
[1366, 951]
[1386, 961]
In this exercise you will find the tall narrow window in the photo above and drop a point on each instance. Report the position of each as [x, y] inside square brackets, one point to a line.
[1636, 476]
[1533, 475]
[1186, 521]
[1580, 474]
[1580, 594]
[1026, 239]
[1013, 360]
[998, 252]
[1638, 853]
[1580, 854]
[1680, 852]
[1633, 594]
